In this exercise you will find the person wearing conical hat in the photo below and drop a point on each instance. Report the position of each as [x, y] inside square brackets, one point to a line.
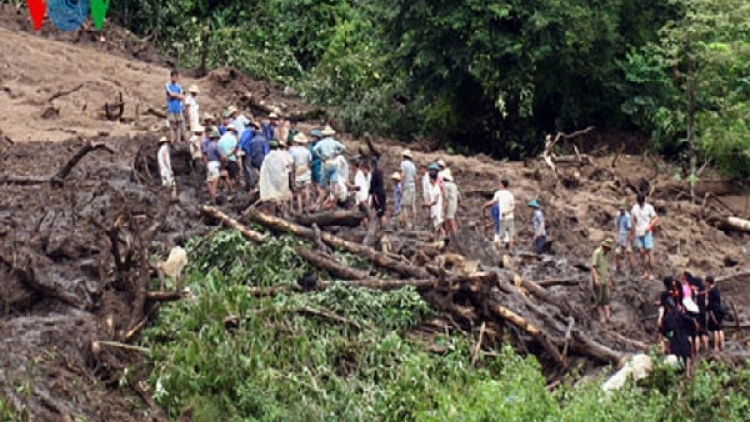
[539, 226]
[452, 195]
[409, 186]
[274, 176]
[195, 142]
[192, 110]
[301, 159]
[397, 193]
[601, 279]
[328, 149]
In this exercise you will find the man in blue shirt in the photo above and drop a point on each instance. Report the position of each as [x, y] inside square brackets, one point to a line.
[175, 107]
[624, 226]
[255, 152]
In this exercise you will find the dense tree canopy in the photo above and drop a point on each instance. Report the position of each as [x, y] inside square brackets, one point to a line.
[488, 75]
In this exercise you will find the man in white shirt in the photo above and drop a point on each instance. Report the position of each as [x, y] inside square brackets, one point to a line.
[409, 186]
[362, 183]
[192, 111]
[506, 201]
[644, 220]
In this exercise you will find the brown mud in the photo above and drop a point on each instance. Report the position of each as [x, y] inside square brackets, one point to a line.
[66, 288]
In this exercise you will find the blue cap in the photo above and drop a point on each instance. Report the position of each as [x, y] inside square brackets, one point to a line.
[434, 166]
[316, 133]
[534, 204]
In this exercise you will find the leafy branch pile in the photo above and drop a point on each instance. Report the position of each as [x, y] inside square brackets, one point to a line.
[353, 355]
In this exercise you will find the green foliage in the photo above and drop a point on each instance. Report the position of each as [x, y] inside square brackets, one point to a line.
[347, 355]
[702, 54]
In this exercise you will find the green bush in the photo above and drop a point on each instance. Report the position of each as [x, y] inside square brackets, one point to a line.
[347, 355]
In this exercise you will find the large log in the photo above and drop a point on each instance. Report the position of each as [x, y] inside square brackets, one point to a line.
[532, 330]
[379, 259]
[733, 224]
[231, 222]
[334, 268]
[341, 218]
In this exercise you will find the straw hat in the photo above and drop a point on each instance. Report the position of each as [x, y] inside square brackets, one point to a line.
[328, 131]
[194, 89]
[407, 153]
[273, 115]
[273, 144]
[162, 140]
[282, 144]
[199, 129]
[231, 126]
[441, 163]
[447, 175]
[608, 243]
[396, 176]
[208, 116]
[231, 110]
[300, 138]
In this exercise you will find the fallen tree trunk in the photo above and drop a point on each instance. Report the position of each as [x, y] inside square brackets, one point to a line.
[231, 222]
[59, 178]
[379, 259]
[334, 268]
[585, 345]
[529, 328]
[733, 224]
[341, 218]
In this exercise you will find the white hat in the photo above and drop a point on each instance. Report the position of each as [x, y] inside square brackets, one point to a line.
[407, 153]
[328, 131]
[300, 138]
[396, 176]
[199, 129]
[231, 126]
[441, 163]
[447, 175]
[231, 110]
[163, 139]
[273, 115]
[194, 89]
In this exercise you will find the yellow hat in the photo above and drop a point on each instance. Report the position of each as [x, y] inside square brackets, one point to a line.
[608, 243]
[328, 131]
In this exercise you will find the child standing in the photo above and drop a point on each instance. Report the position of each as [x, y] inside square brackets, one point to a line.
[397, 193]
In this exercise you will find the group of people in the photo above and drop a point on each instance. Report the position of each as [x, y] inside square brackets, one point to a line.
[302, 172]
[691, 312]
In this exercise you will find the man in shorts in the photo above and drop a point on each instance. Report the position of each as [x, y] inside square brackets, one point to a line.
[506, 202]
[601, 280]
[175, 107]
[644, 220]
[213, 164]
[408, 189]
[624, 227]
[452, 195]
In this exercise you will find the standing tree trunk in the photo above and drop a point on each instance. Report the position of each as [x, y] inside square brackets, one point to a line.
[205, 47]
[692, 86]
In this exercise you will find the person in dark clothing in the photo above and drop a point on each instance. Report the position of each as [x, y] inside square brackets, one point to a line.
[700, 295]
[671, 291]
[377, 191]
[676, 327]
[714, 313]
[255, 151]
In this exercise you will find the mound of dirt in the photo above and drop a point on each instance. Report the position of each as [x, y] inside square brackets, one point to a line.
[74, 258]
[112, 39]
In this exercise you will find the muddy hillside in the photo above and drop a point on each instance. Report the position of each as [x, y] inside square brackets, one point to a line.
[83, 222]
